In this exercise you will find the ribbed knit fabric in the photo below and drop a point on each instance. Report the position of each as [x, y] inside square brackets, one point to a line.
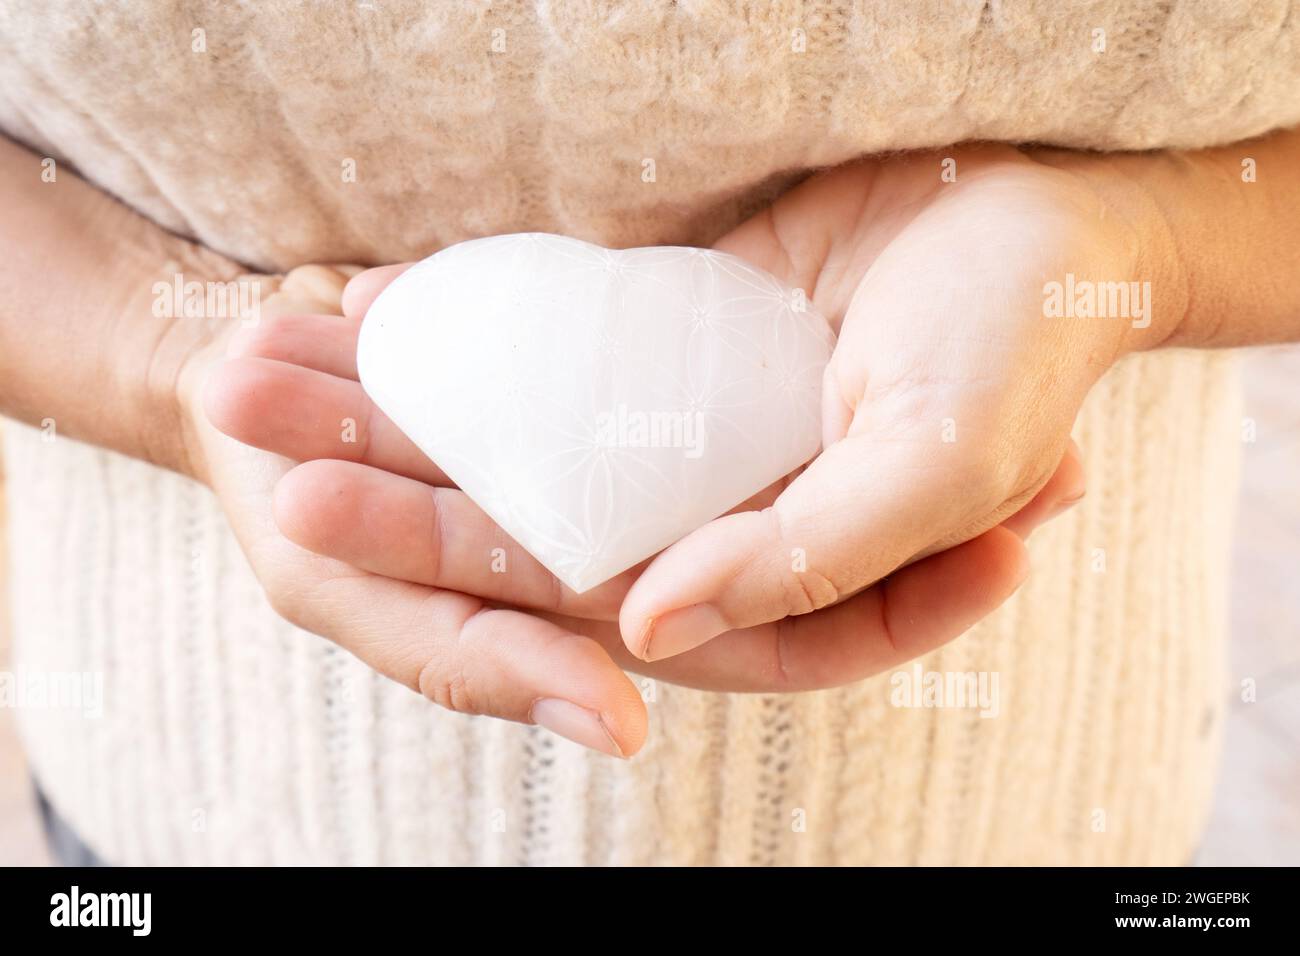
[230, 737]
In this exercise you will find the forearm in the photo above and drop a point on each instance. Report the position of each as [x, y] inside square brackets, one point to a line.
[79, 342]
[1220, 237]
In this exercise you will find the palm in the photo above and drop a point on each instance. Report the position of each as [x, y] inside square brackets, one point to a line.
[936, 291]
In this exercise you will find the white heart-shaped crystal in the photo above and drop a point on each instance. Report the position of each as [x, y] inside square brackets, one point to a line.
[599, 404]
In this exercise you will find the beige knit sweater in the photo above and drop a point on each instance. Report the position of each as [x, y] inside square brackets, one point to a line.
[227, 736]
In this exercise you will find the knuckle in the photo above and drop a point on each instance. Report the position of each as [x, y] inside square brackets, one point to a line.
[554, 596]
[808, 591]
[263, 336]
[437, 534]
[360, 449]
[281, 579]
[599, 604]
[448, 687]
[803, 587]
[446, 677]
[284, 602]
[316, 282]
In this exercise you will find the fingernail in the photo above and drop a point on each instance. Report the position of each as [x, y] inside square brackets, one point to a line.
[1066, 504]
[575, 723]
[680, 630]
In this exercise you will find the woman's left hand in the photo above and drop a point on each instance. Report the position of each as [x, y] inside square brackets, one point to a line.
[948, 402]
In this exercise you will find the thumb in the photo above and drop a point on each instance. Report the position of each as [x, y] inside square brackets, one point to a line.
[860, 510]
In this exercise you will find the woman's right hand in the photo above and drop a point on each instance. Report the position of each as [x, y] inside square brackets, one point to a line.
[293, 373]
[85, 347]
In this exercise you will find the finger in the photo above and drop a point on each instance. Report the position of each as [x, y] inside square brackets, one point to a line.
[913, 611]
[447, 646]
[305, 289]
[363, 289]
[326, 343]
[319, 285]
[910, 613]
[304, 415]
[473, 659]
[401, 528]
[851, 518]
[1063, 491]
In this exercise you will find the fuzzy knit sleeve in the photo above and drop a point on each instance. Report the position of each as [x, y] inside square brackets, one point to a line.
[378, 132]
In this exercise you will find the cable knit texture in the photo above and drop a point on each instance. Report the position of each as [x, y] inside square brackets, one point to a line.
[230, 737]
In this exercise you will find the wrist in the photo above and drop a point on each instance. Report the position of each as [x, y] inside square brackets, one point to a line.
[83, 342]
[177, 339]
[1143, 251]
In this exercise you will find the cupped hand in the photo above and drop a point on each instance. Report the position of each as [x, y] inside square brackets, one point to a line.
[947, 406]
[288, 384]
[366, 497]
